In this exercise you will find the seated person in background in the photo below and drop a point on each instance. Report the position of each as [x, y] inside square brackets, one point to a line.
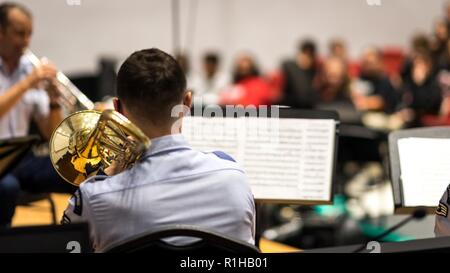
[338, 49]
[300, 77]
[22, 99]
[172, 183]
[419, 43]
[212, 80]
[249, 88]
[373, 91]
[444, 62]
[334, 82]
[421, 92]
[439, 41]
[447, 14]
[192, 78]
[334, 90]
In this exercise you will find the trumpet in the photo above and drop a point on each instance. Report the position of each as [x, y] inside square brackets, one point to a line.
[72, 97]
[88, 141]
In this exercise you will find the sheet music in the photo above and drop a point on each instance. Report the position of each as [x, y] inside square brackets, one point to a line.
[285, 159]
[425, 171]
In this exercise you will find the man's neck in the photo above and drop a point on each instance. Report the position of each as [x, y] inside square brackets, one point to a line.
[210, 76]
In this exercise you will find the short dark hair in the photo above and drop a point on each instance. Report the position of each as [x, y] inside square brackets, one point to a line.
[4, 12]
[150, 83]
[423, 55]
[420, 42]
[211, 58]
[308, 47]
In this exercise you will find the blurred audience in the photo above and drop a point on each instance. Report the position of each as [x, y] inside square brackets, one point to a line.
[409, 86]
[419, 43]
[334, 82]
[192, 78]
[373, 90]
[439, 41]
[443, 63]
[249, 87]
[337, 48]
[300, 77]
[447, 14]
[212, 80]
[421, 92]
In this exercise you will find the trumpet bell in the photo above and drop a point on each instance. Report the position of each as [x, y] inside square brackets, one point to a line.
[89, 140]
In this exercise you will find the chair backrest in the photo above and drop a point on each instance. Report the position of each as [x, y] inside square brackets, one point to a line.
[73, 238]
[210, 242]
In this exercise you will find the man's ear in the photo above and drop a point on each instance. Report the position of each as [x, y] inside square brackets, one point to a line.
[187, 99]
[117, 105]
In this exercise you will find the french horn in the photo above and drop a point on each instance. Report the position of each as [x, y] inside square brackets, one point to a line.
[88, 141]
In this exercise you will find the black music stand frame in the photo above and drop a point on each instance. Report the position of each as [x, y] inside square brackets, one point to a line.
[22, 143]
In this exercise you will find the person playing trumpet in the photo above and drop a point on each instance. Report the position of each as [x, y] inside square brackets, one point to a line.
[26, 93]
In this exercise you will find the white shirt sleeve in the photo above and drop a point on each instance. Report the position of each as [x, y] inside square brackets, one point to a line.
[442, 224]
[79, 209]
[74, 211]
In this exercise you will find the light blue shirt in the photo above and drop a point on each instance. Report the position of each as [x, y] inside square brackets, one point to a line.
[33, 104]
[171, 184]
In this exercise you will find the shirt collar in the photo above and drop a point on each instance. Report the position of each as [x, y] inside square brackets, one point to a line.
[166, 144]
[23, 66]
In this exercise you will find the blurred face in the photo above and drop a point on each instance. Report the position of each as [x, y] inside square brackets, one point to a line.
[421, 64]
[371, 64]
[339, 50]
[305, 60]
[15, 37]
[334, 72]
[244, 66]
[448, 12]
[421, 69]
[440, 30]
[210, 68]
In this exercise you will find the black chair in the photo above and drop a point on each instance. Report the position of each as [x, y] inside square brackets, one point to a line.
[210, 242]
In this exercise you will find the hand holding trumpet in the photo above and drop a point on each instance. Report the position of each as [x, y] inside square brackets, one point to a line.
[58, 86]
[44, 72]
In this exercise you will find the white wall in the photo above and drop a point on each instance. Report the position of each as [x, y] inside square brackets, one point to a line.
[74, 36]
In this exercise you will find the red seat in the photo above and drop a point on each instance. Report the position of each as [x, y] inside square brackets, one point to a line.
[393, 58]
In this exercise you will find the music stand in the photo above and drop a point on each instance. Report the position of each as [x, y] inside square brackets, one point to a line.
[394, 161]
[13, 150]
[287, 113]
